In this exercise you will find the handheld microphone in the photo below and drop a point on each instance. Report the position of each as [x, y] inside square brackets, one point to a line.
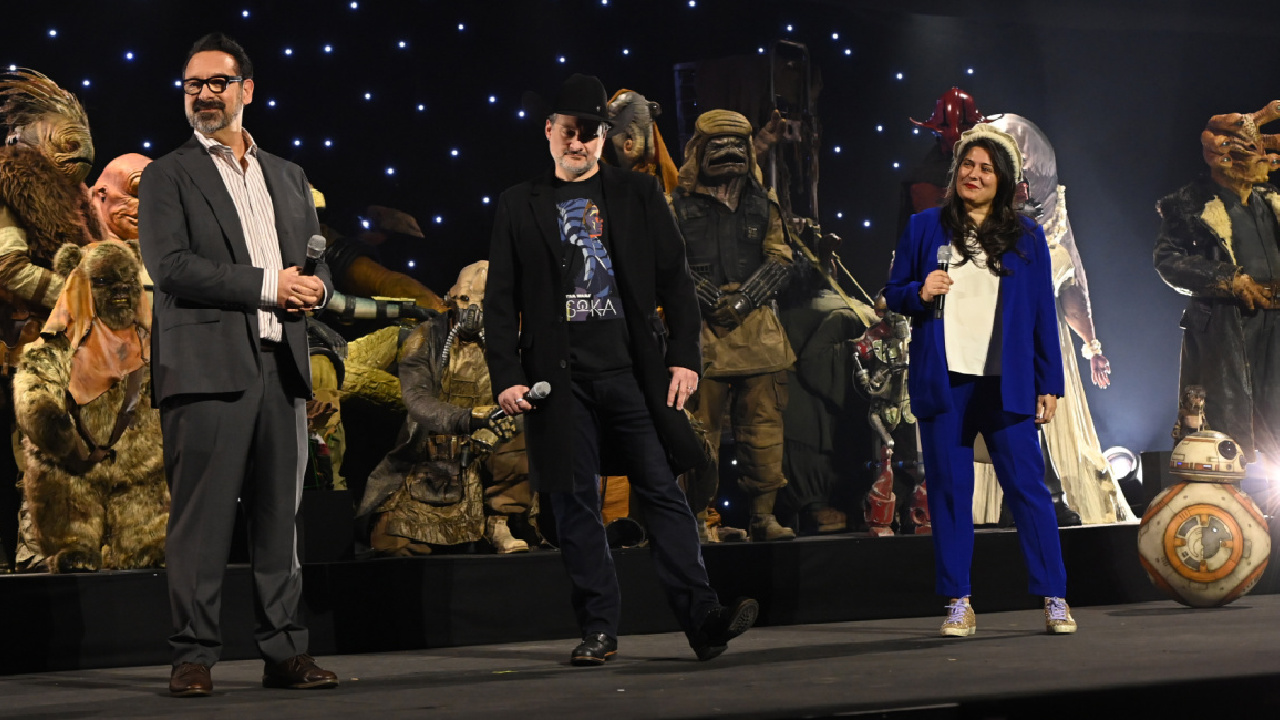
[539, 391]
[944, 262]
[315, 250]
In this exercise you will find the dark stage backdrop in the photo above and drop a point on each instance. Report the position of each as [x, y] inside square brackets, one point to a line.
[415, 105]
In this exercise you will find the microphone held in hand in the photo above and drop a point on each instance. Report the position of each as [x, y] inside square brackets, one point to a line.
[539, 391]
[315, 250]
[944, 262]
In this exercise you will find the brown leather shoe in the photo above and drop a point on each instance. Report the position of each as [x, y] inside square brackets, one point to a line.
[299, 672]
[190, 680]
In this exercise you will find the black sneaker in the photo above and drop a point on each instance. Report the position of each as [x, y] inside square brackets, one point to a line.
[594, 649]
[723, 624]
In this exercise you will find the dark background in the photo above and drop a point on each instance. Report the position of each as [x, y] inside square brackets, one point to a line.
[1121, 88]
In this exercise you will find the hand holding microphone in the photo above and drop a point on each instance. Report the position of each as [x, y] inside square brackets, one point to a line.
[297, 289]
[938, 283]
[519, 398]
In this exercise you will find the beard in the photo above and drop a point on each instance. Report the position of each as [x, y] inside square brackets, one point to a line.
[576, 164]
[208, 117]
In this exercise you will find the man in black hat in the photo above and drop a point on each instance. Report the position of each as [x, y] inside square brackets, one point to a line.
[581, 259]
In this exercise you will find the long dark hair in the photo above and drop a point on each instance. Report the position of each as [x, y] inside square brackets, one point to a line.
[1002, 228]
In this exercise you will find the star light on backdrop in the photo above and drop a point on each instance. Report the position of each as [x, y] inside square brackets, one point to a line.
[370, 32]
[390, 150]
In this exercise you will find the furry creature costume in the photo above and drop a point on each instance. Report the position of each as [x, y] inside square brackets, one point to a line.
[94, 480]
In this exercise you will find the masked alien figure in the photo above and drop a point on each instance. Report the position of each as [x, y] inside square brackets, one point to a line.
[115, 195]
[458, 471]
[94, 478]
[740, 257]
[43, 200]
[1219, 244]
[636, 143]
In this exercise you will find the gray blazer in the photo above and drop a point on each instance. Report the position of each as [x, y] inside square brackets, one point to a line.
[207, 291]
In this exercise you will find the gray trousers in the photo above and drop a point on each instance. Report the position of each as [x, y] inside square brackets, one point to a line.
[218, 448]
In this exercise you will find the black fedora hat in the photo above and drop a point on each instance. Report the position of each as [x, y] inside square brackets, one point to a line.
[582, 96]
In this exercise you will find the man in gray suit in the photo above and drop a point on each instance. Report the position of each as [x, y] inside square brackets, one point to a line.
[223, 228]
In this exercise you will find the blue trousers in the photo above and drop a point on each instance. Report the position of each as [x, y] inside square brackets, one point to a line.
[615, 405]
[1013, 441]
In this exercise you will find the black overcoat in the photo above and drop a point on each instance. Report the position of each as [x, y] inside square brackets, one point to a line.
[1194, 255]
[527, 336]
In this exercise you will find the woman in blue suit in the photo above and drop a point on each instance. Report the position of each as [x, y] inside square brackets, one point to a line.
[985, 361]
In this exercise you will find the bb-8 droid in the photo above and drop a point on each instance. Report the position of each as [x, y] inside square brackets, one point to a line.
[1204, 541]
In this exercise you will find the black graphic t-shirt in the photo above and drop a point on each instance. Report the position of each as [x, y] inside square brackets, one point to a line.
[598, 340]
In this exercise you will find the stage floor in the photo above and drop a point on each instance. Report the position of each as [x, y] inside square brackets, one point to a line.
[1131, 660]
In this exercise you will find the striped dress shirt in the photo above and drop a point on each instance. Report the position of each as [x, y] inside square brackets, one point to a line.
[248, 189]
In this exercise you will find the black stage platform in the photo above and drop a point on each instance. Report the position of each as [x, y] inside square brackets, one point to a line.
[116, 619]
[1136, 661]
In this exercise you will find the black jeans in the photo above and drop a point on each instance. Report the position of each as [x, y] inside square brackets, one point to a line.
[614, 405]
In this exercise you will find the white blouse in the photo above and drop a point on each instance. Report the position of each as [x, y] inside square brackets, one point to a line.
[969, 316]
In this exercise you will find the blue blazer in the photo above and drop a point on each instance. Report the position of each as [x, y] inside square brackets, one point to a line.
[1031, 361]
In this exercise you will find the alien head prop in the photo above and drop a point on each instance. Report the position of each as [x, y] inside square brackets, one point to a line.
[35, 112]
[115, 195]
[1238, 154]
[466, 298]
[632, 115]
[721, 147]
[955, 112]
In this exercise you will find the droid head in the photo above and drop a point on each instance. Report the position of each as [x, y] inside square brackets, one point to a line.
[1207, 456]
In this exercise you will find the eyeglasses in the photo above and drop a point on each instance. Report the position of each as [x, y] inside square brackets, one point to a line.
[217, 84]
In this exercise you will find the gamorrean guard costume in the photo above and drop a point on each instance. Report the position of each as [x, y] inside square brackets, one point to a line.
[457, 472]
[739, 254]
[1219, 243]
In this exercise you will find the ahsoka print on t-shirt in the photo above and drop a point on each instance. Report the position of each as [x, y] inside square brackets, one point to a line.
[593, 293]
